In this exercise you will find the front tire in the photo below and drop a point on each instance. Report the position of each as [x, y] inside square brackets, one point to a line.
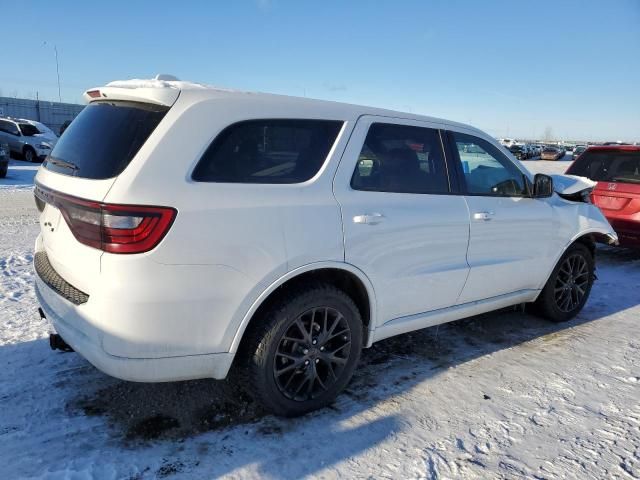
[30, 154]
[302, 352]
[569, 285]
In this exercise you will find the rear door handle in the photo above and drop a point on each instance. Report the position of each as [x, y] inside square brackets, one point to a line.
[483, 216]
[369, 218]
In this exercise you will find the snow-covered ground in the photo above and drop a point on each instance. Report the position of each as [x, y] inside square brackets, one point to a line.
[505, 395]
[20, 175]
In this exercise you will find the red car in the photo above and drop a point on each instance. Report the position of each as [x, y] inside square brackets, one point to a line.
[617, 171]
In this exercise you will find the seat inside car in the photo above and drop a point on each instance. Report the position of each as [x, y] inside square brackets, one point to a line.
[400, 172]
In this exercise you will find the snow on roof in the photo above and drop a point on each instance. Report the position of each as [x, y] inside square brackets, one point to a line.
[163, 81]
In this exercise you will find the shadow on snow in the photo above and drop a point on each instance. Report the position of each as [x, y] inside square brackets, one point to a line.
[216, 417]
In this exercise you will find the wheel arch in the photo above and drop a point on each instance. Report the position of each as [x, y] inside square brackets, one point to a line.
[587, 238]
[343, 275]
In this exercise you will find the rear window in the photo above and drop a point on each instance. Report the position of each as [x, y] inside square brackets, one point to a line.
[103, 139]
[268, 151]
[608, 166]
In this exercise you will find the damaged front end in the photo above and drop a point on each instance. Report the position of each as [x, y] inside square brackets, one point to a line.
[573, 188]
[591, 220]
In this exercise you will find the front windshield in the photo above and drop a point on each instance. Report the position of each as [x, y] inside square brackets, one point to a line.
[28, 130]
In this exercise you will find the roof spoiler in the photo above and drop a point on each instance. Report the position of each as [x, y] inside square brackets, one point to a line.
[161, 90]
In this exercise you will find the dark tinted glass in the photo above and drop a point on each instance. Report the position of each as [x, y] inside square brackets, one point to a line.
[402, 159]
[8, 127]
[104, 138]
[608, 166]
[268, 151]
[28, 130]
[486, 170]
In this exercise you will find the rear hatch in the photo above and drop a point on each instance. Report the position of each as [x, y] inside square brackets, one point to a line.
[617, 171]
[74, 180]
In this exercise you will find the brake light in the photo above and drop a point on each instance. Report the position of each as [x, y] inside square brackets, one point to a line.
[108, 227]
[93, 93]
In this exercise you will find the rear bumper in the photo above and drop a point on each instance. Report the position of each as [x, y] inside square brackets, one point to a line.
[628, 231]
[87, 340]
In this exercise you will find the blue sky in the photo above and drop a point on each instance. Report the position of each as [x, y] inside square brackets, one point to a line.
[511, 68]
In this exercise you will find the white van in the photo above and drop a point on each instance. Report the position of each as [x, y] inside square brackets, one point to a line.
[187, 228]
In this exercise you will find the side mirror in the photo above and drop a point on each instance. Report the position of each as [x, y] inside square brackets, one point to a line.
[542, 186]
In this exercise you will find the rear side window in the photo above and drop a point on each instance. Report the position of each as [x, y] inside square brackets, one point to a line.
[268, 151]
[104, 138]
[401, 159]
[611, 166]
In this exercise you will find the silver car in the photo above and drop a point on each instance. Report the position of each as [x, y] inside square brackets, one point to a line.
[4, 159]
[24, 139]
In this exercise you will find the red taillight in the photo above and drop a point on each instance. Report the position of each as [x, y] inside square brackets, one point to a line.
[93, 93]
[108, 227]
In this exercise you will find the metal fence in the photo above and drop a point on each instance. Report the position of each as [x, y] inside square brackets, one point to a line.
[52, 114]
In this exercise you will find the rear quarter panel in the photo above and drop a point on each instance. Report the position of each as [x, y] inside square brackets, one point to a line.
[253, 233]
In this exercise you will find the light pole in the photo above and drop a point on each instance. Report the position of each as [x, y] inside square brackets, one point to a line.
[55, 49]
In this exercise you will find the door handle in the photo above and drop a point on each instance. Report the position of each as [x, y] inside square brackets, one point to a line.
[369, 218]
[484, 216]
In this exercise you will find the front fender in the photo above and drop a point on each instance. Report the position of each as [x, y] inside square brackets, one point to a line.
[575, 220]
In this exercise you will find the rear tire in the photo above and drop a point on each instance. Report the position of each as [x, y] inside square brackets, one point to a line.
[30, 154]
[569, 285]
[303, 350]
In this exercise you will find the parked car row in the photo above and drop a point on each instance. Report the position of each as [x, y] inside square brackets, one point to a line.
[27, 139]
[552, 152]
[524, 151]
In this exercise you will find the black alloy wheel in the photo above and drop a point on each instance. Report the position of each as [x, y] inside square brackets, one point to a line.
[301, 351]
[312, 353]
[572, 283]
[569, 285]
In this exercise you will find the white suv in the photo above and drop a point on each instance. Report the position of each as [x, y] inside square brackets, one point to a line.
[25, 139]
[185, 228]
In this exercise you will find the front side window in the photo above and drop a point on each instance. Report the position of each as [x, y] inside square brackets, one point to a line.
[486, 171]
[401, 159]
[268, 151]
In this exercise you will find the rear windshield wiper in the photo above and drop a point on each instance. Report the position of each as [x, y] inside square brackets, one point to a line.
[63, 164]
[626, 179]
